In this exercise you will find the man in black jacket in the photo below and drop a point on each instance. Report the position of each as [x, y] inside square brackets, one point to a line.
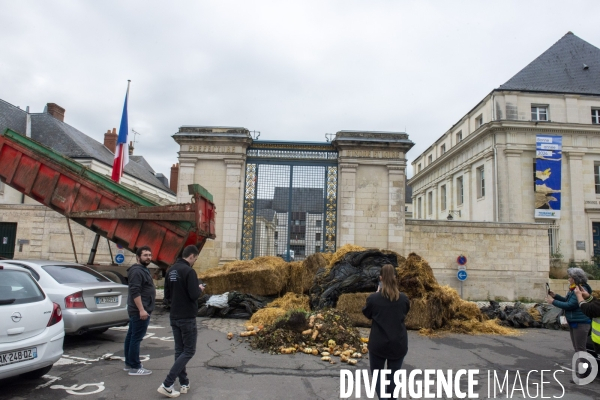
[590, 306]
[140, 304]
[183, 290]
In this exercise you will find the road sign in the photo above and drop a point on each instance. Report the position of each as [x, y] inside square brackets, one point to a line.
[461, 260]
[462, 275]
[120, 258]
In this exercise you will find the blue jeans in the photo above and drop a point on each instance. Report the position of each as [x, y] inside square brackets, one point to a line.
[135, 334]
[185, 334]
[379, 363]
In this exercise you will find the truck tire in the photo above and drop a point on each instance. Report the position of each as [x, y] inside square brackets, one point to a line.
[115, 277]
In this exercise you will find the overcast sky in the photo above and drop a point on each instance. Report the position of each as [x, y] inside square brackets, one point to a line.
[293, 70]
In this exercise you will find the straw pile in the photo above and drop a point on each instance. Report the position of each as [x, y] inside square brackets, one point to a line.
[352, 304]
[262, 276]
[341, 252]
[278, 308]
[302, 273]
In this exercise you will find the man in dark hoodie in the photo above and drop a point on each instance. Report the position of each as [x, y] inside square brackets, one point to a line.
[183, 290]
[140, 304]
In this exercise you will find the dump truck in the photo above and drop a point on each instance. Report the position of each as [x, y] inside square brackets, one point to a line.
[106, 207]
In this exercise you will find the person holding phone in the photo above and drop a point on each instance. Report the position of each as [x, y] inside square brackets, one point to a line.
[388, 340]
[579, 323]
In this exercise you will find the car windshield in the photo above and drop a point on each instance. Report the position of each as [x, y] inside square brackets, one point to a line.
[18, 287]
[73, 274]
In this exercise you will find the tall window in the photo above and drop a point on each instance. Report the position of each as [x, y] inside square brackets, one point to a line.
[419, 167]
[539, 113]
[420, 208]
[595, 116]
[458, 136]
[318, 223]
[429, 159]
[443, 148]
[480, 182]
[430, 203]
[318, 236]
[479, 121]
[597, 178]
[443, 197]
[459, 191]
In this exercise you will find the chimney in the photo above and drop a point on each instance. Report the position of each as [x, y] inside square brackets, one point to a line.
[56, 111]
[130, 148]
[110, 140]
[174, 177]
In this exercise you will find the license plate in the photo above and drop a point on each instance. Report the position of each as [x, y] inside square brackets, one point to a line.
[18, 356]
[107, 300]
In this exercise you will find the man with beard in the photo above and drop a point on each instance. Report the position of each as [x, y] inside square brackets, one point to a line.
[140, 304]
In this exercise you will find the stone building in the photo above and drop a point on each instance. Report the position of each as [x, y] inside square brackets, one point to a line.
[484, 167]
[30, 229]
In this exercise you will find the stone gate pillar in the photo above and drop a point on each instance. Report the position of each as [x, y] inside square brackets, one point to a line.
[215, 157]
[371, 179]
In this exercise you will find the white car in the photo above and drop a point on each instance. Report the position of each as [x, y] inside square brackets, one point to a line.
[31, 326]
[89, 300]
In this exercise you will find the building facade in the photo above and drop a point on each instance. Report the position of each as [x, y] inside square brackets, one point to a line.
[484, 167]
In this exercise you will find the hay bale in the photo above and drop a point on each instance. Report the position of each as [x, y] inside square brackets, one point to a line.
[291, 301]
[426, 313]
[302, 273]
[415, 277]
[352, 304]
[535, 314]
[474, 327]
[467, 311]
[267, 316]
[341, 252]
[262, 276]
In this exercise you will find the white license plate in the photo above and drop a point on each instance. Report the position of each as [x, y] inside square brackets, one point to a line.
[107, 299]
[18, 356]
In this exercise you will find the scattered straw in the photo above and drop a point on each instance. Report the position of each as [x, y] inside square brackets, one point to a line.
[291, 301]
[535, 313]
[267, 316]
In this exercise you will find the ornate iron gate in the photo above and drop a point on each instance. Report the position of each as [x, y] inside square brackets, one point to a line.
[290, 200]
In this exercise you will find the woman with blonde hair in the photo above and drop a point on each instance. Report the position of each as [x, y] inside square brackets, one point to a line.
[388, 341]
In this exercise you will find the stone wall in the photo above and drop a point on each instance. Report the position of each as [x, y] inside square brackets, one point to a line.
[49, 239]
[506, 261]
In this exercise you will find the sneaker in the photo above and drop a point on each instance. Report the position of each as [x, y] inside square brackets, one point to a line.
[168, 391]
[184, 388]
[127, 368]
[140, 371]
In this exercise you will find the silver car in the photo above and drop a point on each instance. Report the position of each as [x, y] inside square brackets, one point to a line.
[89, 301]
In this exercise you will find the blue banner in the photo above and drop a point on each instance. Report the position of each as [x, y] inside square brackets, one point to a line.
[548, 170]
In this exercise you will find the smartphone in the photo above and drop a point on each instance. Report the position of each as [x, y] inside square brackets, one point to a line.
[547, 288]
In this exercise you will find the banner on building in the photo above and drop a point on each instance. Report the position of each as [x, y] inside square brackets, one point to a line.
[548, 169]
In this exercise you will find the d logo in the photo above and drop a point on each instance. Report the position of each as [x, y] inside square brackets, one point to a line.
[585, 368]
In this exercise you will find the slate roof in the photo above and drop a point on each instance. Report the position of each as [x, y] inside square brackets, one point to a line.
[309, 200]
[560, 69]
[69, 141]
[142, 161]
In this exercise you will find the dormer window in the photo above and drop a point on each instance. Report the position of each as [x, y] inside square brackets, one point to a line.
[459, 137]
[479, 121]
[443, 148]
[429, 159]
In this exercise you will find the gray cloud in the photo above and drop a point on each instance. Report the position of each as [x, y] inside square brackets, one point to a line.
[292, 70]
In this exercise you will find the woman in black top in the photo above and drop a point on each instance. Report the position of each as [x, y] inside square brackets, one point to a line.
[388, 340]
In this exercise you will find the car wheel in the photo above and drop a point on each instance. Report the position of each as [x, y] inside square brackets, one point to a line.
[38, 373]
[115, 277]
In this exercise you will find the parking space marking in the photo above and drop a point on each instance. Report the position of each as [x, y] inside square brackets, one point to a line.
[126, 328]
[51, 378]
[75, 389]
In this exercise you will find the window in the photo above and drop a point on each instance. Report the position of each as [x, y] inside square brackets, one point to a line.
[318, 223]
[539, 113]
[479, 121]
[317, 249]
[420, 208]
[419, 167]
[443, 148]
[459, 137]
[459, 191]
[318, 236]
[18, 287]
[276, 235]
[430, 203]
[597, 178]
[429, 159]
[73, 274]
[443, 196]
[595, 116]
[480, 182]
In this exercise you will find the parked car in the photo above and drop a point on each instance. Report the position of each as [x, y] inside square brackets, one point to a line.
[287, 256]
[89, 300]
[31, 326]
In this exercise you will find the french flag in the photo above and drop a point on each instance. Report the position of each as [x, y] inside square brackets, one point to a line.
[121, 152]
